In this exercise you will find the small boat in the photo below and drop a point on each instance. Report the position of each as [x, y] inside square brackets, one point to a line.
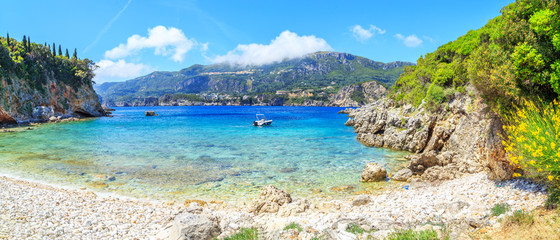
[261, 121]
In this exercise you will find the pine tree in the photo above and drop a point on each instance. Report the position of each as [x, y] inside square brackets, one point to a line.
[75, 55]
[67, 55]
[59, 50]
[24, 42]
[8, 38]
[53, 50]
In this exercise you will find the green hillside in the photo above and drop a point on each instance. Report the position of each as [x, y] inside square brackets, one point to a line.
[514, 56]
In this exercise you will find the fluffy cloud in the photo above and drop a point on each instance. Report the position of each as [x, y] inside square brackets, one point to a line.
[361, 34]
[287, 45]
[165, 41]
[410, 40]
[120, 69]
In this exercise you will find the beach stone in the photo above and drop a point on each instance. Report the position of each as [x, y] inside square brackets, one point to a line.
[361, 200]
[188, 226]
[402, 175]
[373, 173]
[296, 206]
[270, 200]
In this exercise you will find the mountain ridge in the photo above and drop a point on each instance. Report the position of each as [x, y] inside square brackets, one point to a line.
[321, 74]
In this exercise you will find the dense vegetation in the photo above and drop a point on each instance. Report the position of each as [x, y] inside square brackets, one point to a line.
[321, 72]
[35, 63]
[514, 56]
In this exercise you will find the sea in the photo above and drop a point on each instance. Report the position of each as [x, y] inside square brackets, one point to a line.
[198, 152]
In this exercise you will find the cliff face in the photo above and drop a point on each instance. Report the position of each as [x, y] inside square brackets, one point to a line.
[22, 103]
[465, 137]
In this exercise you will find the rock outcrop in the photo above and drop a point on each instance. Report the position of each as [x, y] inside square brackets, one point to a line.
[463, 137]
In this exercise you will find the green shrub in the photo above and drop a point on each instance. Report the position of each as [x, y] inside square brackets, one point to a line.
[521, 217]
[500, 209]
[244, 234]
[293, 225]
[434, 97]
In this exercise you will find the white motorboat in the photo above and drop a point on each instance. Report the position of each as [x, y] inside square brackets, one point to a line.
[261, 121]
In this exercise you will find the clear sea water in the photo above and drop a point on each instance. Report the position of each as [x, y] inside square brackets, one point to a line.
[198, 152]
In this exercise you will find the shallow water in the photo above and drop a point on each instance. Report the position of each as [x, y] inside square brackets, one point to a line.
[197, 152]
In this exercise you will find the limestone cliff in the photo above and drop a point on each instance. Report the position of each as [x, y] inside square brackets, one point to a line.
[22, 103]
[358, 94]
[464, 137]
[37, 84]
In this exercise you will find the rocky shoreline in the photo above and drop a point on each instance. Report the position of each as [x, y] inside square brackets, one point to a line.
[36, 210]
[462, 136]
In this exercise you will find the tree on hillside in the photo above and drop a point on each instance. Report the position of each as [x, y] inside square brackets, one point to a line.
[75, 55]
[59, 50]
[24, 42]
[53, 50]
[8, 39]
[28, 43]
[67, 55]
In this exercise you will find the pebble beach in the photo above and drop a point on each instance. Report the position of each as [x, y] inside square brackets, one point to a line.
[31, 210]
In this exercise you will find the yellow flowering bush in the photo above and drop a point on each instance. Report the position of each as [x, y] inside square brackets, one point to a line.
[533, 138]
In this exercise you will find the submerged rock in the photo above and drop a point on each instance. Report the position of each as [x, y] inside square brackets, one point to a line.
[373, 173]
[150, 113]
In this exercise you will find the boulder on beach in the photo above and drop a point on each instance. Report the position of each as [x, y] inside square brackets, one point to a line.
[270, 200]
[373, 173]
[402, 175]
[187, 226]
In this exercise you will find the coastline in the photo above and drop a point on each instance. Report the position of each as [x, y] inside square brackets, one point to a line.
[31, 209]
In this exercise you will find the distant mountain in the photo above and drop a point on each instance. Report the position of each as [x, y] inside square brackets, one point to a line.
[317, 77]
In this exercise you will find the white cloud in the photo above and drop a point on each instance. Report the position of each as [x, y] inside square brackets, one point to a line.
[110, 70]
[410, 40]
[165, 41]
[361, 34]
[287, 45]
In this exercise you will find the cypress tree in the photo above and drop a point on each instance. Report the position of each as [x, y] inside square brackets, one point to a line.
[59, 50]
[67, 55]
[53, 50]
[75, 55]
[8, 38]
[24, 41]
[28, 43]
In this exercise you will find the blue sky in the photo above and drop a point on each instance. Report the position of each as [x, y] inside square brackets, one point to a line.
[130, 38]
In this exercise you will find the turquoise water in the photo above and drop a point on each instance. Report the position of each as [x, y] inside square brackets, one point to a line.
[197, 152]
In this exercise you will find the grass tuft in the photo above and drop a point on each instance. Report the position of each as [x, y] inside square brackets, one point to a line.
[500, 209]
[411, 234]
[293, 225]
[244, 234]
[355, 229]
[522, 217]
